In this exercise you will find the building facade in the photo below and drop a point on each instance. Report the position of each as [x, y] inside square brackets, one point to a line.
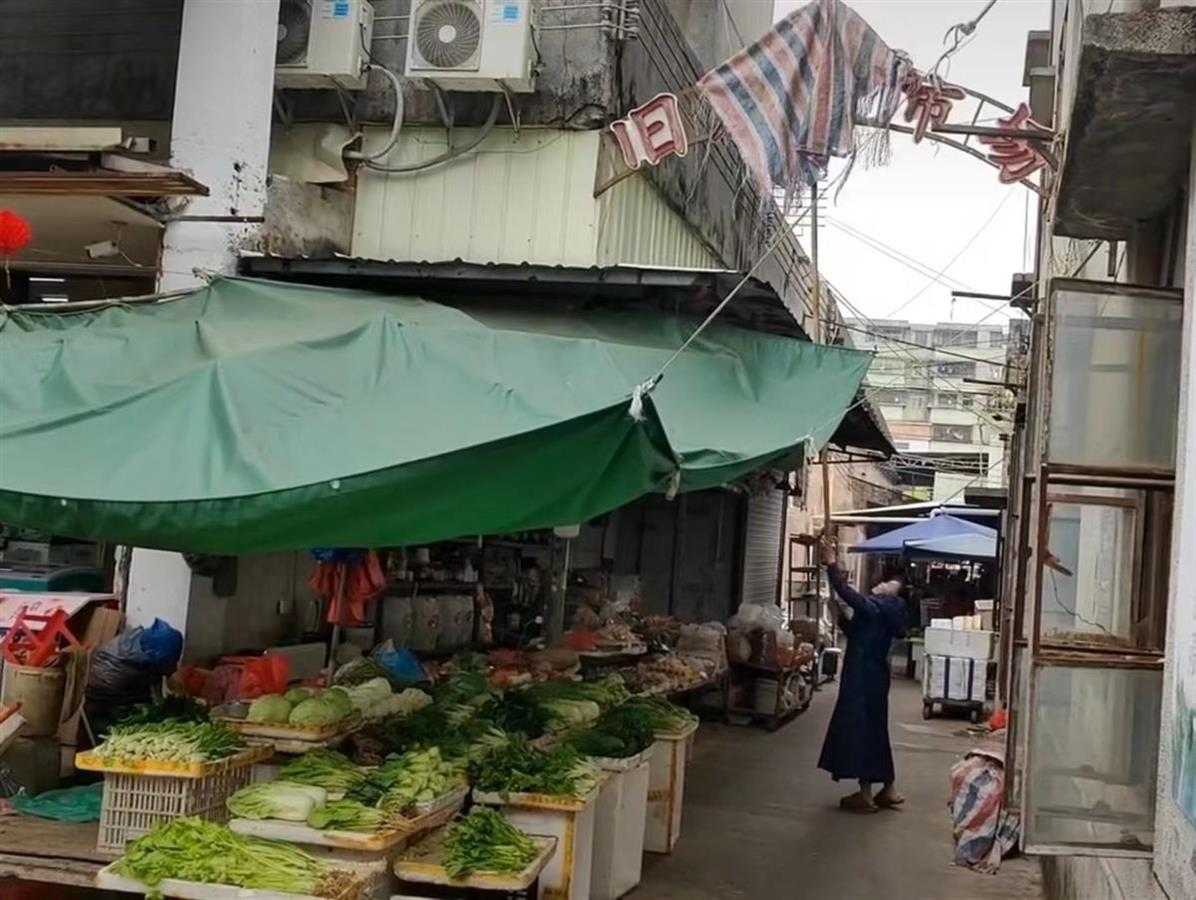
[940, 389]
[1098, 652]
[446, 180]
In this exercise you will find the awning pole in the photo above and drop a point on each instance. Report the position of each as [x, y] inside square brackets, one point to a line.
[829, 528]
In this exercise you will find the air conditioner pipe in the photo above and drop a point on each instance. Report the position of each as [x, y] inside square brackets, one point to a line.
[395, 126]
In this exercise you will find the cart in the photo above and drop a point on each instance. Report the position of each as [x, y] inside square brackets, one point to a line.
[954, 683]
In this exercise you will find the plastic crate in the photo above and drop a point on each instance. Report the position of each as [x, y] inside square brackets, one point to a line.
[133, 804]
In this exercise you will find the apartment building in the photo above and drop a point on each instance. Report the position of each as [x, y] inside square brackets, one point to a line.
[939, 387]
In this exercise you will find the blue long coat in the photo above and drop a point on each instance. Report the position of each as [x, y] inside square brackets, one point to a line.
[857, 741]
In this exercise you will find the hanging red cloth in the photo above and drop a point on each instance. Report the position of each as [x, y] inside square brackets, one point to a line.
[354, 583]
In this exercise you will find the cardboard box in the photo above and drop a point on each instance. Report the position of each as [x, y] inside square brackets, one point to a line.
[960, 642]
[952, 678]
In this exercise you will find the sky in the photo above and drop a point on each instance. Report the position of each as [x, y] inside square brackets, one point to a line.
[928, 203]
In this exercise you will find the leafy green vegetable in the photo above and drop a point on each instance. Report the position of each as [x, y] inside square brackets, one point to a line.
[338, 699]
[517, 767]
[518, 712]
[277, 800]
[314, 712]
[170, 741]
[197, 850]
[323, 768]
[665, 717]
[179, 708]
[620, 732]
[346, 815]
[298, 695]
[484, 841]
[272, 708]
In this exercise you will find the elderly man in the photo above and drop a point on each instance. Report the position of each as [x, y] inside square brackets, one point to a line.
[857, 741]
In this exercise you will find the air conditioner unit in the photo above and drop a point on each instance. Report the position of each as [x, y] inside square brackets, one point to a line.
[473, 45]
[322, 43]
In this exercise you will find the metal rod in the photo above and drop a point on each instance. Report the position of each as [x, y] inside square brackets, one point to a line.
[1027, 134]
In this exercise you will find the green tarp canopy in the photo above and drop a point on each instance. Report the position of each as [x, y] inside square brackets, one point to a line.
[249, 416]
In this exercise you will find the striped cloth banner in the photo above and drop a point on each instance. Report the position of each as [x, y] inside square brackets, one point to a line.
[791, 100]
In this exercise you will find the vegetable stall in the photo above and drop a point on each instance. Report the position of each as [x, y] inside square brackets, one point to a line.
[433, 676]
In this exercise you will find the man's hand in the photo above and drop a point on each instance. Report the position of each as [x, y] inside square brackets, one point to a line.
[827, 551]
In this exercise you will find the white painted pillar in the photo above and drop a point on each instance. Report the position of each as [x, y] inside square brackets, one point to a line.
[220, 134]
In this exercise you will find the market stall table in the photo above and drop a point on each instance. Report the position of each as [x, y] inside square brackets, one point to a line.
[35, 849]
[422, 864]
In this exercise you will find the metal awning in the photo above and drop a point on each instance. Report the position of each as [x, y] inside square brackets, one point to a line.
[689, 292]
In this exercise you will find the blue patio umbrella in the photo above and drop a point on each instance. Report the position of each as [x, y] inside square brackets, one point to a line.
[936, 528]
[955, 547]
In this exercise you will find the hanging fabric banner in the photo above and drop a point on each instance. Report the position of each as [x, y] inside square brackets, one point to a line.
[792, 99]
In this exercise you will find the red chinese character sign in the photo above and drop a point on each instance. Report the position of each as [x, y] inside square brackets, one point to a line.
[928, 101]
[651, 132]
[1015, 158]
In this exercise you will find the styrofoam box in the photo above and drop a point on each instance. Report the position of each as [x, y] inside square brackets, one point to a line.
[619, 823]
[948, 678]
[959, 642]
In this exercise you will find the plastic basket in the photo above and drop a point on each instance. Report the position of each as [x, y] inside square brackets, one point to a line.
[133, 804]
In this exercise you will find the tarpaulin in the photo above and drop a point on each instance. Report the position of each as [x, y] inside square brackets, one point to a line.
[249, 416]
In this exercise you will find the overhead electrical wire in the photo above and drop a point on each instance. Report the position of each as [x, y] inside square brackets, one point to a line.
[962, 250]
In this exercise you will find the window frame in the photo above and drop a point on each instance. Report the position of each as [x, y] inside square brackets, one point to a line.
[1042, 483]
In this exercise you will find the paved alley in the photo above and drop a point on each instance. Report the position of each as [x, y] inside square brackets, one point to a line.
[761, 821]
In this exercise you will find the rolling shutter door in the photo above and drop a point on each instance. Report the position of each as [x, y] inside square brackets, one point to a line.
[762, 546]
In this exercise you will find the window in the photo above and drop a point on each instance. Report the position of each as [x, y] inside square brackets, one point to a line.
[950, 337]
[887, 364]
[1114, 376]
[961, 434]
[967, 401]
[889, 398]
[956, 369]
[1093, 757]
[946, 398]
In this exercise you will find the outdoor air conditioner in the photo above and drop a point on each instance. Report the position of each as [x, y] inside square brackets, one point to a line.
[473, 45]
[322, 43]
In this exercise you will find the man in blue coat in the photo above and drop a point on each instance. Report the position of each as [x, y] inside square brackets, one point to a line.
[857, 741]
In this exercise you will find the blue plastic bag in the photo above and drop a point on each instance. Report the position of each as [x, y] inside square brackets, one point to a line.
[160, 644]
[400, 662]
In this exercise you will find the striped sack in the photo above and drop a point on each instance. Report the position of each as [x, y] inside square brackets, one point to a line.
[792, 99]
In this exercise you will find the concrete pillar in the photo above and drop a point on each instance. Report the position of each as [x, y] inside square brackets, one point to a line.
[220, 133]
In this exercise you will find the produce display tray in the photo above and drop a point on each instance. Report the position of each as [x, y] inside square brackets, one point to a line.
[539, 801]
[681, 734]
[423, 863]
[624, 764]
[107, 880]
[431, 815]
[613, 652]
[298, 733]
[91, 761]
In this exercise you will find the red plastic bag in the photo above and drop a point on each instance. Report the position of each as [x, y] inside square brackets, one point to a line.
[257, 675]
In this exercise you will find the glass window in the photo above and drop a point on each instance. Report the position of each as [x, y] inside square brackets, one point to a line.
[956, 369]
[1092, 763]
[1115, 376]
[960, 434]
[1088, 573]
[946, 398]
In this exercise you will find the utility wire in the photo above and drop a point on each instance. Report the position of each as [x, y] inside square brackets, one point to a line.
[962, 250]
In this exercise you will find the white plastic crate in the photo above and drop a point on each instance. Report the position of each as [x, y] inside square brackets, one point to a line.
[133, 804]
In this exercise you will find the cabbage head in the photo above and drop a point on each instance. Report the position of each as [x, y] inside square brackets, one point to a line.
[299, 694]
[274, 709]
[338, 699]
[316, 711]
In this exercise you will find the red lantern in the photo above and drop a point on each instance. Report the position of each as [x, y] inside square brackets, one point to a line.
[15, 233]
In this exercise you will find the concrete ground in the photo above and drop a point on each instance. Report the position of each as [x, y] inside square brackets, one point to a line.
[762, 821]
